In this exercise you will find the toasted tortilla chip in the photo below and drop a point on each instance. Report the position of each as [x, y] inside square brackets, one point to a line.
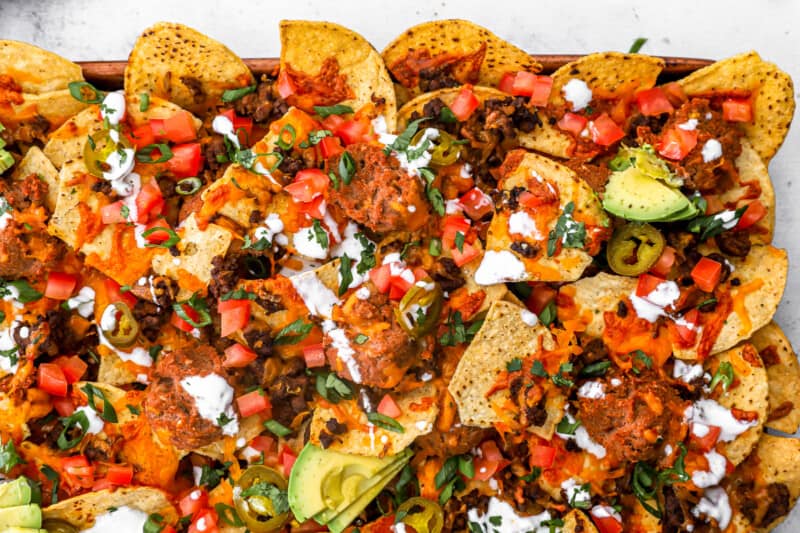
[608, 74]
[753, 171]
[305, 45]
[544, 138]
[577, 522]
[183, 66]
[239, 193]
[82, 511]
[113, 371]
[157, 108]
[249, 428]
[770, 479]
[483, 56]
[771, 92]
[783, 372]
[67, 142]
[35, 162]
[35, 70]
[502, 337]
[748, 394]
[197, 249]
[567, 264]
[762, 277]
[419, 410]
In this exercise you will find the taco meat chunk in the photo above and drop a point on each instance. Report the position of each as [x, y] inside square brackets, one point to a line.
[169, 408]
[381, 195]
[635, 419]
[387, 353]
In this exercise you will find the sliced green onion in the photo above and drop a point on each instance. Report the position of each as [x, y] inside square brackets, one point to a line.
[169, 243]
[231, 95]
[145, 155]
[79, 90]
[188, 186]
[144, 102]
[338, 109]
[386, 422]
[282, 143]
[277, 428]
[76, 419]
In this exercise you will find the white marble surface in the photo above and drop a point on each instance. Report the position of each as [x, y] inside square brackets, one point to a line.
[99, 29]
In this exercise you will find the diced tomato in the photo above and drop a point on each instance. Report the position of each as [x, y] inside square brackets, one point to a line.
[490, 462]
[149, 202]
[193, 502]
[308, 184]
[179, 128]
[653, 102]
[79, 470]
[755, 211]
[186, 160]
[332, 122]
[234, 319]
[182, 324]
[476, 203]
[542, 456]
[604, 130]
[706, 274]
[112, 213]
[537, 87]
[452, 225]
[120, 474]
[465, 104]
[252, 403]
[676, 143]
[286, 86]
[314, 355]
[161, 234]
[262, 443]
[238, 356]
[314, 208]
[52, 380]
[239, 123]
[381, 277]
[287, 458]
[204, 521]
[674, 93]
[73, 367]
[467, 253]
[398, 287]
[663, 266]
[60, 285]
[142, 136]
[330, 147]
[606, 524]
[687, 329]
[354, 131]
[541, 295]
[573, 123]
[507, 82]
[227, 305]
[389, 407]
[647, 284]
[706, 442]
[737, 110]
[168, 529]
[63, 406]
[115, 294]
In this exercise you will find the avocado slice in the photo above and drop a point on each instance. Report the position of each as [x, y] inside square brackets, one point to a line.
[29, 516]
[325, 479]
[14, 493]
[632, 195]
[647, 161]
[684, 214]
[366, 494]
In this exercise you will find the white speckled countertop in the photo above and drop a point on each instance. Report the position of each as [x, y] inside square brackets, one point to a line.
[98, 29]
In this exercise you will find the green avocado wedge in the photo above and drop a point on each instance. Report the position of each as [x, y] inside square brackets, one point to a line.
[325, 480]
[14, 493]
[26, 516]
[632, 195]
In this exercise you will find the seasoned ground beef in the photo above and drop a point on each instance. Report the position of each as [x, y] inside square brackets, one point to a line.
[290, 393]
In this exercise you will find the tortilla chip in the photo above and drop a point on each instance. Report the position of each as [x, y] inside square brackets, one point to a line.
[66, 218]
[35, 70]
[419, 411]
[113, 371]
[771, 91]
[249, 428]
[749, 394]
[183, 66]
[503, 337]
[459, 38]
[305, 45]
[567, 264]
[157, 108]
[594, 296]
[544, 138]
[67, 142]
[197, 249]
[81, 511]
[239, 193]
[608, 74]
[775, 464]
[35, 162]
[753, 170]
[577, 522]
[784, 378]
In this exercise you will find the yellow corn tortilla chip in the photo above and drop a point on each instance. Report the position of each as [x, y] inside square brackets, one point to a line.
[775, 464]
[250, 192]
[771, 91]
[68, 141]
[112, 370]
[419, 411]
[608, 74]
[750, 394]
[545, 138]
[181, 65]
[577, 522]
[249, 428]
[503, 337]
[82, 511]
[305, 45]
[157, 108]
[35, 70]
[784, 378]
[35, 162]
[762, 276]
[569, 263]
[456, 37]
